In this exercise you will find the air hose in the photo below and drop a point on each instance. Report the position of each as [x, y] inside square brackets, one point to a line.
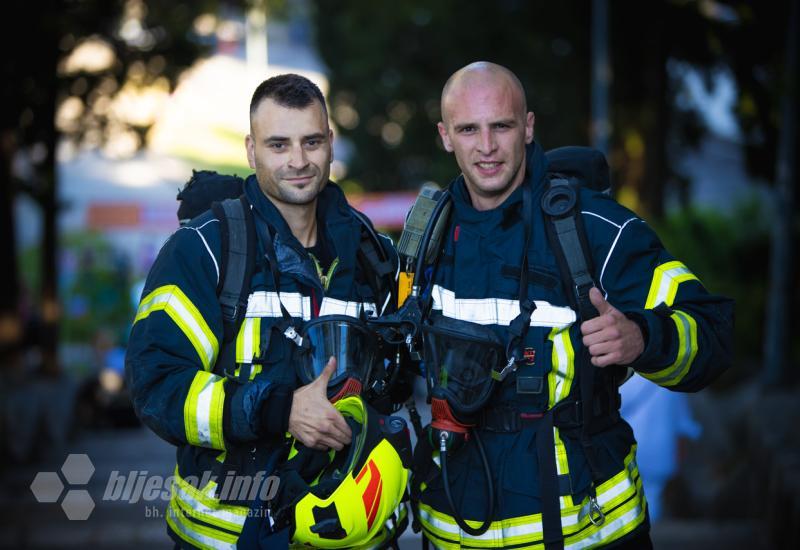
[443, 436]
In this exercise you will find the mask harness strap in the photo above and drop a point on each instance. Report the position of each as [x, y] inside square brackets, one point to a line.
[286, 326]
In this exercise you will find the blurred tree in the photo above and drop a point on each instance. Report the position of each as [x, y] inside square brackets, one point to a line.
[88, 71]
[388, 62]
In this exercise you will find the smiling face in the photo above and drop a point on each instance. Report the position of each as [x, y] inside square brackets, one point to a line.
[291, 152]
[485, 125]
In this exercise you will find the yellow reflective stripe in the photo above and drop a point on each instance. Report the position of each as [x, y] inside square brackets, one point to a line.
[199, 535]
[207, 508]
[562, 464]
[559, 380]
[666, 279]
[621, 498]
[202, 411]
[248, 341]
[254, 370]
[183, 312]
[687, 350]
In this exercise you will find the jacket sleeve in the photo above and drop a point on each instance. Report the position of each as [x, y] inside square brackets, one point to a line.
[687, 330]
[172, 350]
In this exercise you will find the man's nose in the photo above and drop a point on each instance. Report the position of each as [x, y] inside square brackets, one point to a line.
[487, 144]
[298, 159]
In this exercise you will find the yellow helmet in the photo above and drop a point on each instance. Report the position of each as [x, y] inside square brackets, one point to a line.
[343, 498]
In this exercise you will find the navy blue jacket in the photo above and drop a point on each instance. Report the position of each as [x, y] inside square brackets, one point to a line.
[173, 364]
[687, 344]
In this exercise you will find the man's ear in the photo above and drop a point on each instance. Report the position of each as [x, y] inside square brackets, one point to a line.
[530, 119]
[330, 142]
[448, 146]
[250, 145]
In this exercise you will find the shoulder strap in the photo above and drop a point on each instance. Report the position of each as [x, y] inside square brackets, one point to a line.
[378, 264]
[568, 240]
[238, 255]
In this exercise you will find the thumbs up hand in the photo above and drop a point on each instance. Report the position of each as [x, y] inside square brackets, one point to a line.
[313, 420]
[611, 338]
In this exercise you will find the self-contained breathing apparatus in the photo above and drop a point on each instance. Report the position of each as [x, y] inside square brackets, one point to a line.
[464, 362]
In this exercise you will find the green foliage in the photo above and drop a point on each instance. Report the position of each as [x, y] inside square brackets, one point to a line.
[730, 255]
[388, 63]
[95, 289]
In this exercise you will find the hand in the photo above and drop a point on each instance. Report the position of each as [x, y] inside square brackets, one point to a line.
[612, 338]
[313, 420]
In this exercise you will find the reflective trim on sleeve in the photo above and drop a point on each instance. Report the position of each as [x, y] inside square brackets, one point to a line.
[687, 350]
[267, 304]
[498, 311]
[183, 312]
[621, 498]
[201, 536]
[202, 411]
[332, 306]
[559, 380]
[666, 279]
[203, 506]
[248, 341]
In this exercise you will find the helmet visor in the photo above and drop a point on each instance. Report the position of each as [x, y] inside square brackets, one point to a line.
[460, 357]
[345, 338]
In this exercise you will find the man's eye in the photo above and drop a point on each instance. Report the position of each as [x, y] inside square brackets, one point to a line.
[312, 143]
[277, 146]
[467, 129]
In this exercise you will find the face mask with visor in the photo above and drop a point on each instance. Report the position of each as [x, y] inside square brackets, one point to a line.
[347, 339]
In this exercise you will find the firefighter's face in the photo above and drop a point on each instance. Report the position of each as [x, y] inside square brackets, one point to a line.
[485, 125]
[291, 151]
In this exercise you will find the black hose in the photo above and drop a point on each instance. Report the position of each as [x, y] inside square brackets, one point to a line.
[489, 487]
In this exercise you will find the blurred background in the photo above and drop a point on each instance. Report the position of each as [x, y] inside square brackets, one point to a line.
[107, 106]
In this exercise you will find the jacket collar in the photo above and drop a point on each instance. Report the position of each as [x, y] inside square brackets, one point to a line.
[333, 218]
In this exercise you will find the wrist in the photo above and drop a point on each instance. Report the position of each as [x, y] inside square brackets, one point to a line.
[276, 410]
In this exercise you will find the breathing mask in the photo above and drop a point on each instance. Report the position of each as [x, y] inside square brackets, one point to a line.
[350, 342]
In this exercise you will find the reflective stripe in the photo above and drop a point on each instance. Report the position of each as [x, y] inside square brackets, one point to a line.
[497, 311]
[266, 304]
[559, 380]
[332, 306]
[248, 341]
[182, 311]
[196, 534]
[204, 506]
[202, 411]
[687, 350]
[621, 498]
[666, 279]
[562, 464]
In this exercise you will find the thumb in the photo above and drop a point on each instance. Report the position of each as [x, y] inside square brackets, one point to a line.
[598, 301]
[327, 372]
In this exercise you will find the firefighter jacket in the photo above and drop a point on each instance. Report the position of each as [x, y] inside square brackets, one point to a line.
[687, 336]
[228, 429]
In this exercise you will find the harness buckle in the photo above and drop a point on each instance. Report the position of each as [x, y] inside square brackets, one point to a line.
[509, 367]
[292, 335]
